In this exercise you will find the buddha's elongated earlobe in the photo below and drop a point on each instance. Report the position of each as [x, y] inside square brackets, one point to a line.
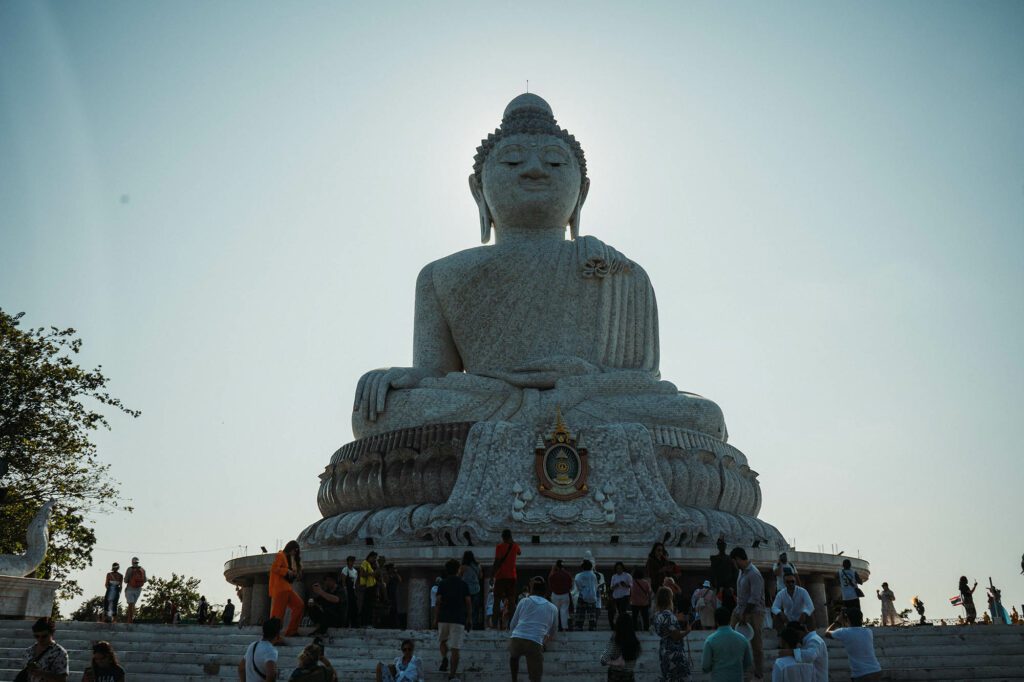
[574, 219]
[486, 222]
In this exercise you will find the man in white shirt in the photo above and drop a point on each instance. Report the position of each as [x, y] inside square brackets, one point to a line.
[793, 603]
[259, 664]
[812, 650]
[533, 624]
[781, 569]
[787, 668]
[859, 643]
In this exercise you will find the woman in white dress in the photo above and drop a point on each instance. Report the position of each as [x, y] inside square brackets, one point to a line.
[889, 616]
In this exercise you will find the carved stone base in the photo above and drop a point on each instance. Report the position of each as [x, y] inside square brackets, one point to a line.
[635, 485]
[26, 597]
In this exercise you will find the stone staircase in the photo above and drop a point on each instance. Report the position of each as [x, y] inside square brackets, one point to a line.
[192, 653]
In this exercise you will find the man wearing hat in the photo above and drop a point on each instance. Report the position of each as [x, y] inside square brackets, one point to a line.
[112, 585]
[135, 576]
[704, 603]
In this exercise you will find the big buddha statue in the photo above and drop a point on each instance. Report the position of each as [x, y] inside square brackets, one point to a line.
[545, 333]
[511, 330]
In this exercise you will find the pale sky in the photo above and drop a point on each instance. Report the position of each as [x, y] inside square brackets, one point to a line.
[231, 202]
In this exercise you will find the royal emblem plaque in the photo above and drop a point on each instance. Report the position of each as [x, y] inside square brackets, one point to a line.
[561, 465]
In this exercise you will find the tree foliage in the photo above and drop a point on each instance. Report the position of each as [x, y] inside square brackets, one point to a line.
[48, 411]
[92, 609]
[158, 594]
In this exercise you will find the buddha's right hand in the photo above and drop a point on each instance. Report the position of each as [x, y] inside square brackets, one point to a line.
[372, 391]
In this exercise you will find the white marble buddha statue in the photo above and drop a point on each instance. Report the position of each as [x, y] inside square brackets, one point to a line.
[510, 331]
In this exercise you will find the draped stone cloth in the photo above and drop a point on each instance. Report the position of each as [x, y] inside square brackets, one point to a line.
[573, 325]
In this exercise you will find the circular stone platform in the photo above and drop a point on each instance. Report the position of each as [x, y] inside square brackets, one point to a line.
[419, 566]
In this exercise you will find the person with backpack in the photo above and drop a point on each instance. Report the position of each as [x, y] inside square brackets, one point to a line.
[704, 603]
[259, 663]
[505, 577]
[134, 578]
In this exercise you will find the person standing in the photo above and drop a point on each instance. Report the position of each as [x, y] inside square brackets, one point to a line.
[104, 666]
[454, 607]
[228, 615]
[622, 585]
[471, 573]
[112, 584]
[534, 623]
[203, 612]
[792, 603]
[560, 582]
[286, 569]
[505, 576]
[46, 661]
[640, 600]
[350, 576]
[392, 582]
[750, 604]
[849, 583]
[657, 564]
[135, 577]
[259, 662]
[967, 595]
[622, 650]
[859, 643]
[704, 603]
[889, 616]
[368, 586]
[586, 596]
[995, 605]
[780, 569]
[726, 653]
[672, 628]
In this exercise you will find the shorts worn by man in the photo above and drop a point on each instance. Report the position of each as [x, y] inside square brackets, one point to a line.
[134, 579]
[505, 574]
[453, 610]
[534, 623]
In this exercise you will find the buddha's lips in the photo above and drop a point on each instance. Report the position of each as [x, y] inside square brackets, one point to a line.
[533, 185]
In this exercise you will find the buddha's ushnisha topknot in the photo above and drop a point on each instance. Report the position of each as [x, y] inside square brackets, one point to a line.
[530, 115]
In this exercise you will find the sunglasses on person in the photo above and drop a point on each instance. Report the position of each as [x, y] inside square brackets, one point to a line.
[407, 648]
[41, 635]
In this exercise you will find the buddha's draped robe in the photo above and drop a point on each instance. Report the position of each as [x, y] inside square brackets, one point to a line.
[572, 324]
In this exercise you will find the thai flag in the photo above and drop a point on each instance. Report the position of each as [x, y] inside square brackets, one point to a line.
[957, 600]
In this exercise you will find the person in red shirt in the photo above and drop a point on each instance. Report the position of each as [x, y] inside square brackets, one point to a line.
[560, 582]
[505, 576]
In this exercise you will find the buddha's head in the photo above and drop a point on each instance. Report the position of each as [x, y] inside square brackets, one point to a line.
[529, 173]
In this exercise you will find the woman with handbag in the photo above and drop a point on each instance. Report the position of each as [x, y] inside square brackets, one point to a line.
[45, 661]
[622, 650]
[287, 568]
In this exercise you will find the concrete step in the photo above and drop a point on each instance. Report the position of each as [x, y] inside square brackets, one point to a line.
[161, 653]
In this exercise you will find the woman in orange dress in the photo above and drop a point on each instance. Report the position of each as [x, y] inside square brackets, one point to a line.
[287, 569]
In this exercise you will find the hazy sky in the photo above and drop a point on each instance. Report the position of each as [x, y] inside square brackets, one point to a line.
[231, 201]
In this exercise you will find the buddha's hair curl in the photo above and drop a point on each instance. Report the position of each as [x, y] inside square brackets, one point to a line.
[527, 121]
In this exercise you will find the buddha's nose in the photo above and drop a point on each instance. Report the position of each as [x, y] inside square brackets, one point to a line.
[534, 169]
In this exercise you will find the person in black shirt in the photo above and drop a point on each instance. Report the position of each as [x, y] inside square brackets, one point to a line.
[228, 616]
[453, 613]
[203, 612]
[325, 607]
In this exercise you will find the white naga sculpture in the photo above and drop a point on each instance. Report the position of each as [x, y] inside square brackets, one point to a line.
[37, 541]
[508, 334]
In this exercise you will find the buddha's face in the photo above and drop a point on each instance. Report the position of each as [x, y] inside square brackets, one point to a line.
[531, 181]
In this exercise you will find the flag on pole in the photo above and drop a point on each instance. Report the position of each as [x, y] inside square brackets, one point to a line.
[957, 600]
